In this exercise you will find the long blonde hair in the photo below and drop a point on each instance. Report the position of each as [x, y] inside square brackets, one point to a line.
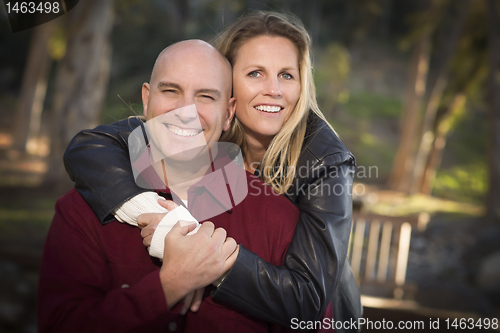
[280, 160]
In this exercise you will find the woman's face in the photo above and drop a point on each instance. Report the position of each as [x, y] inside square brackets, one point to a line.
[266, 85]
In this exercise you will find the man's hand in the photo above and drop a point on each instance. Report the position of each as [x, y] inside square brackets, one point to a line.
[195, 261]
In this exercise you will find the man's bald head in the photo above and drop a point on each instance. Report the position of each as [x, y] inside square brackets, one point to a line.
[194, 50]
[190, 73]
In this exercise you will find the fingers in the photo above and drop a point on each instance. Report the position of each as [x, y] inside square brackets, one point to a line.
[168, 204]
[148, 223]
[207, 228]
[146, 219]
[191, 225]
[219, 235]
[147, 241]
[198, 259]
[198, 297]
[182, 228]
[147, 236]
[231, 259]
[228, 247]
[192, 301]
[186, 303]
[145, 233]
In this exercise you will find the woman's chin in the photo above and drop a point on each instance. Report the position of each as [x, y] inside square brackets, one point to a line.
[266, 132]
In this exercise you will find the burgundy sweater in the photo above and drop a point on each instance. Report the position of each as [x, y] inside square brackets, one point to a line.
[100, 278]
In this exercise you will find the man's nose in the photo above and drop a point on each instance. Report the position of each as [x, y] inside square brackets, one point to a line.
[186, 112]
[273, 88]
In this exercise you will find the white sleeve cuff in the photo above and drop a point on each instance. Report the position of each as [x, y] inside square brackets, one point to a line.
[146, 202]
[164, 227]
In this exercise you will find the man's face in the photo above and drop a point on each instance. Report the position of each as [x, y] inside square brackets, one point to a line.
[190, 90]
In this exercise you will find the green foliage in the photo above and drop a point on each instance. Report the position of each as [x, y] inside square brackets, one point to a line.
[464, 183]
[366, 123]
[331, 74]
[415, 204]
[21, 216]
[371, 106]
[424, 22]
[463, 175]
[57, 43]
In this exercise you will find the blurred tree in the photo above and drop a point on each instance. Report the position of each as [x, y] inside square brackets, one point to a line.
[493, 198]
[33, 87]
[413, 170]
[466, 77]
[361, 16]
[425, 24]
[179, 14]
[437, 87]
[81, 80]
[315, 19]
[444, 123]
[399, 178]
[331, 75]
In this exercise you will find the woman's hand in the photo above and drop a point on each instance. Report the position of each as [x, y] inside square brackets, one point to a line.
[148, 222]
[192, 301]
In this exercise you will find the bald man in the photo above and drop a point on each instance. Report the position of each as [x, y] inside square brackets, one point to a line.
[100, 278]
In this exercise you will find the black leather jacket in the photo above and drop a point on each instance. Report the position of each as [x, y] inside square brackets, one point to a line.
[315, 271]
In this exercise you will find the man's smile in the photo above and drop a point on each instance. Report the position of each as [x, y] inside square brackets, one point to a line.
[183, 131]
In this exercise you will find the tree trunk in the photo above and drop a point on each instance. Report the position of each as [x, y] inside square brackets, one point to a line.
[403, 161]
[384, 26]
[443, 126]
[33, 87]
[315, 20]
[493, 197]
[436, 92]
[81, 81]
[181, 18]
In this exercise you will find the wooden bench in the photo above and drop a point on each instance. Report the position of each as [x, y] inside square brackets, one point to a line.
[378, 253]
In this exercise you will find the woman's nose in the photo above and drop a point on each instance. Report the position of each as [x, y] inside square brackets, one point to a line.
[273, 88]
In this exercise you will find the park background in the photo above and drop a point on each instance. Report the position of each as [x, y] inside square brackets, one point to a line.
[411, 87]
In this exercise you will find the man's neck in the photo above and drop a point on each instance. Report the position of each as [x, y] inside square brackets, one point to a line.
[180, 176]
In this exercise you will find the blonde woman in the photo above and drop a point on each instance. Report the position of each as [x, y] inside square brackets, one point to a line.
[284, 139]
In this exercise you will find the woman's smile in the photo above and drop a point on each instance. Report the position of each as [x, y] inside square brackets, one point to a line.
[269, 110]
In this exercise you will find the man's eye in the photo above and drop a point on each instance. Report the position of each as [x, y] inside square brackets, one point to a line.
[254, 74]
[170, 91]
[287, 76]
[208, 97]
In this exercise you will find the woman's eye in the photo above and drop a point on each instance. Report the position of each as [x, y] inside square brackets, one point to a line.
[286, 76]
[254, 74]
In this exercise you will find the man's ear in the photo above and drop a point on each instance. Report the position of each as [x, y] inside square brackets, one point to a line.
[145, 98]
[231, 108]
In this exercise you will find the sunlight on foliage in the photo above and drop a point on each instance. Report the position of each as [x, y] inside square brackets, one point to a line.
[366, 124]
[463, 183]
[402, 206]
[368, 139]
[372, 106]
[57, 44]
[332, 70]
